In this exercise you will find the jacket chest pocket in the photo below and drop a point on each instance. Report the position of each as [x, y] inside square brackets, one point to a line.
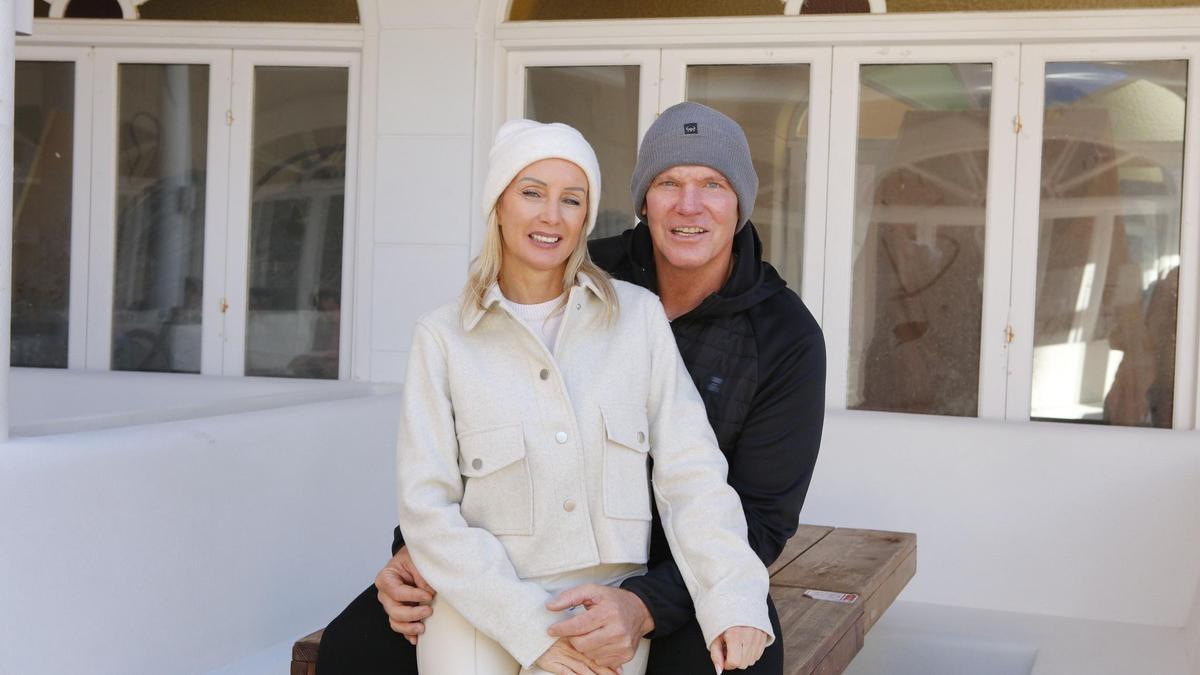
[497, 486]
[626, 468]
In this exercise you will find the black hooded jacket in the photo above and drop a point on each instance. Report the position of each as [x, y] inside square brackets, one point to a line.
[757, 356]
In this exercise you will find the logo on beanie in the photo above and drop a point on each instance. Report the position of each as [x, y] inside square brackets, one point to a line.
[691, 129]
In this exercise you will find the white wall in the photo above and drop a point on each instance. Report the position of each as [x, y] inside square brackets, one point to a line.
[1060, 519]
[184, 546]
[418, 159]
[1192, 635]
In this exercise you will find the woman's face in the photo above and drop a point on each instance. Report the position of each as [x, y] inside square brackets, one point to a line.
[541, 215]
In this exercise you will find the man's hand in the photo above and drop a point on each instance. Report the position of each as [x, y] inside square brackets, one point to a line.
[561, 659]
[609, 631]
[405, 595]
[737, 648]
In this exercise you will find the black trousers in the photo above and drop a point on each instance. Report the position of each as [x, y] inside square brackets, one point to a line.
[360, 642]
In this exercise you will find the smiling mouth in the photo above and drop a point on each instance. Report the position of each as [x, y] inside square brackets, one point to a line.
[688, 231]
[545, 238]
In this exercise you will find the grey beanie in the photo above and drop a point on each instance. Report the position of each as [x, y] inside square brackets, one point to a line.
[691, 133]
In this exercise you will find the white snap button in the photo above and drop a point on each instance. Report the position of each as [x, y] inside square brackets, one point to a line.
[569, 505]
[641, 437]
[561, 437]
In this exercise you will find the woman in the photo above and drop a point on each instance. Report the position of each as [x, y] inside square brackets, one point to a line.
[530, 408]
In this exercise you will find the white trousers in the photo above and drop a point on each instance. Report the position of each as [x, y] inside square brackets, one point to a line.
[450, 645]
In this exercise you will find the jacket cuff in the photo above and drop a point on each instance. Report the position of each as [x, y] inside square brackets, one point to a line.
[717, 614]
[527, 649]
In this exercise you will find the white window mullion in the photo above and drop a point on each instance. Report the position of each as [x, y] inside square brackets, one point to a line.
[212, 352]
[1026, 198]
[839, 236]
[1187, 346]
[103, 234]
[238, 215]
[998, 235]
[350, 223]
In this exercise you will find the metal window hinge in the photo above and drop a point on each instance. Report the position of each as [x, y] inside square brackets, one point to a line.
[229, 118]
[1017, 126]
[224, 305]
[1009, 334]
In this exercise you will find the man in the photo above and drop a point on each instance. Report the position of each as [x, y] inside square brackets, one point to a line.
[755, 354]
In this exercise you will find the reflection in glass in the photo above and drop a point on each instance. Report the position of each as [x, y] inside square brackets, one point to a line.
[295, 276]
[1108, 243]
[602, 103]
[43, 160]
[770, 102]
[920, 203]
[162, 161]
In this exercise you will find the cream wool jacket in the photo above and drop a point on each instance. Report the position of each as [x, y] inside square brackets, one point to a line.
[515, 463]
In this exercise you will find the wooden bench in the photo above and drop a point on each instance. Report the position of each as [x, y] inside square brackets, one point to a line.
[820, 637]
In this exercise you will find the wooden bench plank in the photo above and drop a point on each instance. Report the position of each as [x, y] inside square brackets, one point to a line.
[304, 653]
[812, 629]
[848, 561]
[805, 537]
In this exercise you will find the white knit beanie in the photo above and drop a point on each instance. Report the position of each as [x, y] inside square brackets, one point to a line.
[520, 143]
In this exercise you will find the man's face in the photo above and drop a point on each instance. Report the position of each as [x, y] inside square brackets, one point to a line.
[692, 212]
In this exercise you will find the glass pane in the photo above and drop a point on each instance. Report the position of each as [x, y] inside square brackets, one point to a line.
[771, 104]
[43, 162]
[161, 166]
[295, 277]
[602, 103]
[920, 201]
[1108, 242]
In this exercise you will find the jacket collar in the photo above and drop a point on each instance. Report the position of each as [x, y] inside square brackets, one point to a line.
[473, 315]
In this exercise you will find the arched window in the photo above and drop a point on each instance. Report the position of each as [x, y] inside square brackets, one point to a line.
[301, 11]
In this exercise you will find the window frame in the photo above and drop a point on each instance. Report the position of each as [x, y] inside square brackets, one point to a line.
[84, 41]
[673, 89]
[81, 188]
[1028, 202]
[106, 113]
[240, 197]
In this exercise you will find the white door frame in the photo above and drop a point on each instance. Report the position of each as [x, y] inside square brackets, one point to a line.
[240, 194]
[1028, 198]
[819, 59]
[103, 208]
[81, 188]
[839, 273]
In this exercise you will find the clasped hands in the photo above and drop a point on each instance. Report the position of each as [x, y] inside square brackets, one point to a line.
[595, 642]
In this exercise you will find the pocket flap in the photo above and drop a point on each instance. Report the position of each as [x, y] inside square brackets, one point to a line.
[489, 450]
[627, 426]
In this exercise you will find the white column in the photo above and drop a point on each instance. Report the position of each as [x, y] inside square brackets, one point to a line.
[7, 78]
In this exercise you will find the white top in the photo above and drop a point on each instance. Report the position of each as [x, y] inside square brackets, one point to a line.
[543, 319]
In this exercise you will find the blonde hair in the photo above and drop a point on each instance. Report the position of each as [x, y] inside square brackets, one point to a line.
[485, 270]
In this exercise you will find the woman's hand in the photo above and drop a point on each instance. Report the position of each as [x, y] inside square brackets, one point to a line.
[737, 648]
[562, 659]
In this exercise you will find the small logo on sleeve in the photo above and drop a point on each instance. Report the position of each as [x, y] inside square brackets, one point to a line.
[691, 129]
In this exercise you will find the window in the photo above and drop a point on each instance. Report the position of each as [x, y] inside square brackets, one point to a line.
[212, 237]
[1004, 228]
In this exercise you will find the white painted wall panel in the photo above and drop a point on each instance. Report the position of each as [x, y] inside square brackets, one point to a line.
[409, 281]
[427, 81]
[423, 190]
[183, 546]
[1061, 519]
[1192, 635]
[408, 13]
[388, 366]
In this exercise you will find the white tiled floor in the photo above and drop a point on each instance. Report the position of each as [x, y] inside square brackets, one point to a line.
[922, 639]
